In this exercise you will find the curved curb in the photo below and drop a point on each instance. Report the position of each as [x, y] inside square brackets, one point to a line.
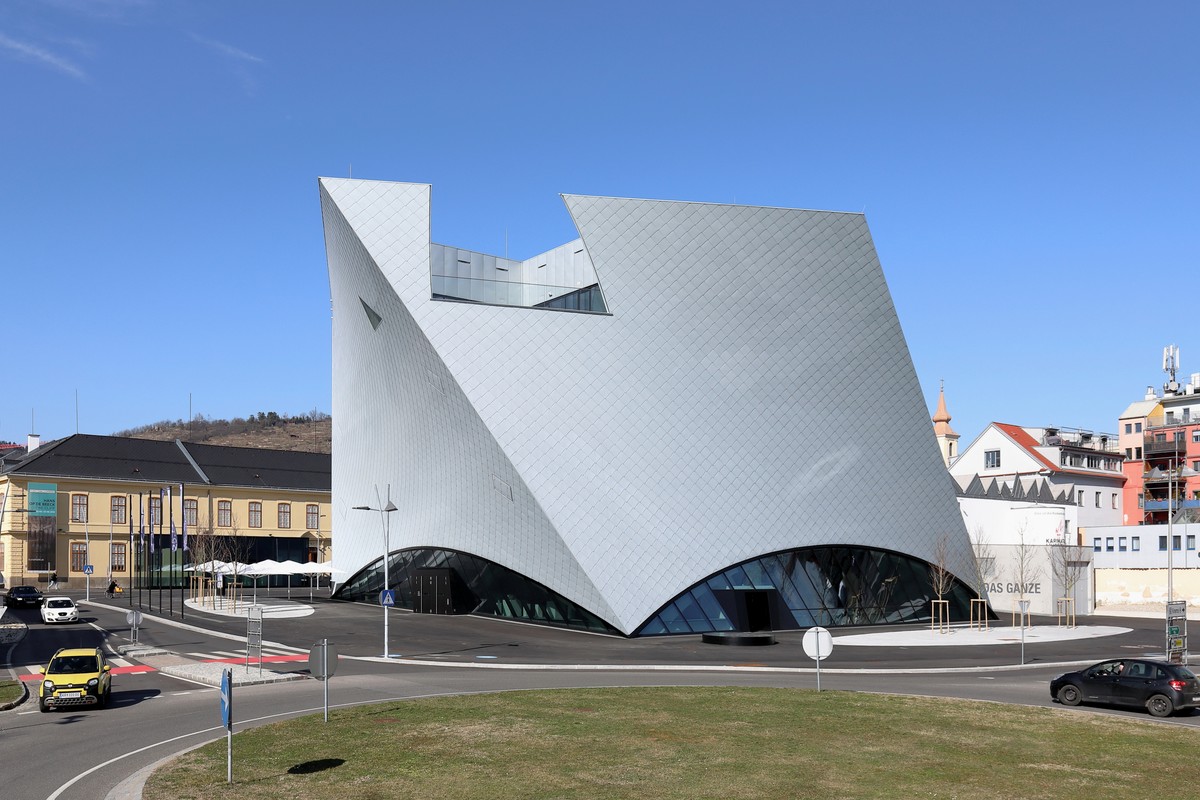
[132, 787]
[24, 696]
[414, 662]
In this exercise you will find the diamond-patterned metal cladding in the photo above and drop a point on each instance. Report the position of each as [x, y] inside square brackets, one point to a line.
[750, 392]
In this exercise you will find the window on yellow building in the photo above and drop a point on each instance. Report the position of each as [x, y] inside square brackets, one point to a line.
[79, 503]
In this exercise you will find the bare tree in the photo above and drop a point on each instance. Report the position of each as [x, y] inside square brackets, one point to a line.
[1068, 564]
[985, 559]
[228, 546]
[941, 580]
[1025, 567]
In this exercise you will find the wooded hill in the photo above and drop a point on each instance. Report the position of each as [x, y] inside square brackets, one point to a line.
[311, 432]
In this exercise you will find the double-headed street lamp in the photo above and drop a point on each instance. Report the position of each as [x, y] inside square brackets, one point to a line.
[387, 531]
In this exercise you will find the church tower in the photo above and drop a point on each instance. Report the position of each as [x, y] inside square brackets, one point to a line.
[946, 437]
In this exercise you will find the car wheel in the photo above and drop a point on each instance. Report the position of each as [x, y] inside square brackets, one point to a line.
[106, 698]
[1069, 695]
[44, 706]
[1160, 706]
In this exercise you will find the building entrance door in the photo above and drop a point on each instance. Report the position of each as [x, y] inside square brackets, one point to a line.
[758, 611]
[433, 592]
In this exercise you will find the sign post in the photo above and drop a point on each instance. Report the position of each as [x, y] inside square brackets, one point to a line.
[387, 599]
[322, 663]
[1176, 631]
[133, 618]
[254, 634]
[1024, 604]
[227, 720]
[818, 644]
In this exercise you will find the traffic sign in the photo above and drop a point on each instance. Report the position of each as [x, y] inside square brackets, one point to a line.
[322, 660]
[227, 700]
[387, 597]
[87, 569]
[133, 618]
[818, 643]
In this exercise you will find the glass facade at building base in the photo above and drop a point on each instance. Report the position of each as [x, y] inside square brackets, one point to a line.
[435, 581]
[797, 589]
[792, 590]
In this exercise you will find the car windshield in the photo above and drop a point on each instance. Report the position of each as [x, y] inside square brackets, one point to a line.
[64, 603]
[73, 664]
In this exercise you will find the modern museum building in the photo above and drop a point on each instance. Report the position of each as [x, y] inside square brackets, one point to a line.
[693, 417]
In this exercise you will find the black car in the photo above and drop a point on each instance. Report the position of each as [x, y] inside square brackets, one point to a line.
[1159, 687]
[23, 596]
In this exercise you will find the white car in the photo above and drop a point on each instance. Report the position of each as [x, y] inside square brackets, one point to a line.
[59, 609]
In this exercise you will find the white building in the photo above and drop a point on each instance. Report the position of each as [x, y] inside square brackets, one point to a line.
[1028, 497]
[634, 432]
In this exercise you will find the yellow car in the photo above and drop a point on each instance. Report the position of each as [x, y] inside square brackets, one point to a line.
[76, 677]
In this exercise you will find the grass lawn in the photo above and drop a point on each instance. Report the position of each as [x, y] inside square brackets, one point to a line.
[687, 743]
[9, 691]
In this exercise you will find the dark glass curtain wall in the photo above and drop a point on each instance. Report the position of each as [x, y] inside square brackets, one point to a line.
[796, 589]
[476, 587]
[793, 590]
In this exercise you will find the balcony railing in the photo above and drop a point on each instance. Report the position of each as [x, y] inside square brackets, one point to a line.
[1161, 505]
[1170, 446]
[515, 293]
[1176, 422]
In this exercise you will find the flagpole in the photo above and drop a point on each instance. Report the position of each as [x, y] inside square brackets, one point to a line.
[132, 550]
[159, 543]
[141, 549]
[171, 586]
[183, 558]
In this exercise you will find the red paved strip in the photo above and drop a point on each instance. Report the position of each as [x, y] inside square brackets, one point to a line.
[135, 670]
[265, 659]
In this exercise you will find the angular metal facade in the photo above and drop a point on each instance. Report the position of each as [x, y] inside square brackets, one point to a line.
[748, 392]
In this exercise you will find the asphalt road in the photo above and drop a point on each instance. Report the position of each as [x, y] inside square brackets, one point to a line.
[86, 753]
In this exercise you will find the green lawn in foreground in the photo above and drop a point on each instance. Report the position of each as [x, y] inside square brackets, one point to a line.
[10, 691]
[688, 743]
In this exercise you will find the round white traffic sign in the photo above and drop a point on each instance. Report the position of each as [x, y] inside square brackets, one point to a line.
[133, 618]
[818, 643]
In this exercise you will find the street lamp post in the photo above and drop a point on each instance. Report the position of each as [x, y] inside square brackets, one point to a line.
[1170, 532]
[385, 512]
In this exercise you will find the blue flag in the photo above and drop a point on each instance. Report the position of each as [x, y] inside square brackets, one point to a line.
[171, 512]
[142, 518]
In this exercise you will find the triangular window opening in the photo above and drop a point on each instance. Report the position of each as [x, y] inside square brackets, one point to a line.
[372, 314]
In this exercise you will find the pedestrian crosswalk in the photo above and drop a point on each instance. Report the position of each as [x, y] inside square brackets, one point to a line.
[270, 655]
[239, 654]
[123, 666]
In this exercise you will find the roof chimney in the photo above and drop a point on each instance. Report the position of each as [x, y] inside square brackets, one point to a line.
[33, 442]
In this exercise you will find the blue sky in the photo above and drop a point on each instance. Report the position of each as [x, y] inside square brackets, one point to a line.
[1029, 172]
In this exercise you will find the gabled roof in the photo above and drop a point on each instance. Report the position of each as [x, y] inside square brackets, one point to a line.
[1142, 408]
[1027, 443]
[120, 458]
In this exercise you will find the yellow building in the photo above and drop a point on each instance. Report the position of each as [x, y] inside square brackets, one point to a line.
[126, 508]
